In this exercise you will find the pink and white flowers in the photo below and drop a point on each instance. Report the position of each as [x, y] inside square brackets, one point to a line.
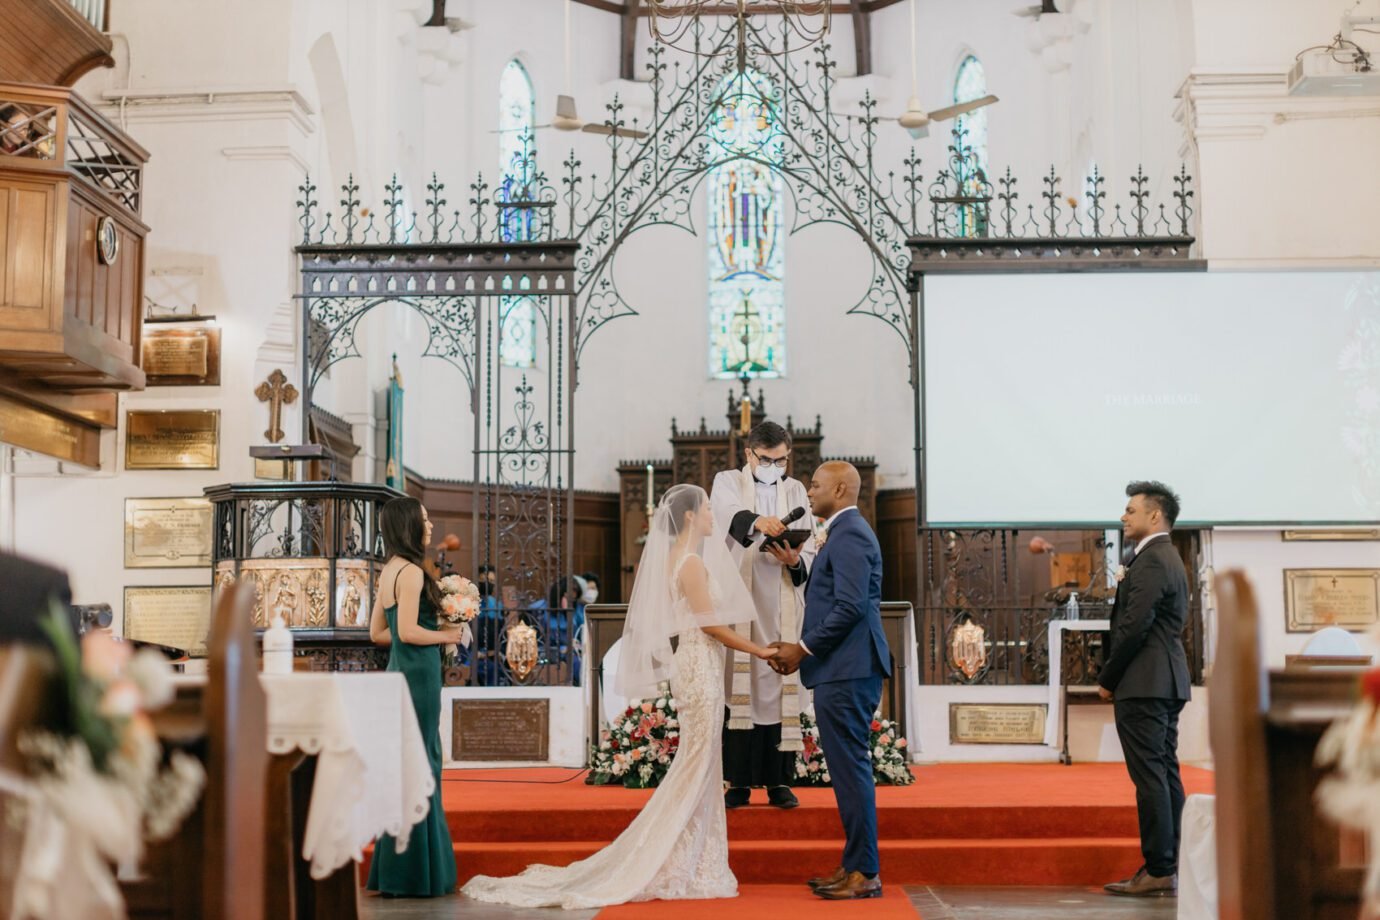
[459, 603]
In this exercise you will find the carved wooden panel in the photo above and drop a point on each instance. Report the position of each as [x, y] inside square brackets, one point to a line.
[28, 220]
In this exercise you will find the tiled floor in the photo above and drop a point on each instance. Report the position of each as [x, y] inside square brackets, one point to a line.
[930, 903]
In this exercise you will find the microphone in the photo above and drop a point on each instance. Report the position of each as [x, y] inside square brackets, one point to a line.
[795, 515]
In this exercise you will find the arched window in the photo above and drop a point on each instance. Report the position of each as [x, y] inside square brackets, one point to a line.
[517, 111]
[746, 233]
[970, 82]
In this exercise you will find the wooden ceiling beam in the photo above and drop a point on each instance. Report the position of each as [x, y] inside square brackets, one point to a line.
[862, 39]
[627, 40]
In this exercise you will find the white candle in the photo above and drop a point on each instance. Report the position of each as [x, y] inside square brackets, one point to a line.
[651, 489]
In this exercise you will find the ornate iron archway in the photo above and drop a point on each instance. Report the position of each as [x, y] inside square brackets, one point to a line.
[558, 244]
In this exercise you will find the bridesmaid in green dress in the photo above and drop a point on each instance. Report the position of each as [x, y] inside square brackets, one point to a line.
[404, 618]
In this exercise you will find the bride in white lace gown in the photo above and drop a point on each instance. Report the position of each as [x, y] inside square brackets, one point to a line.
[677, 846]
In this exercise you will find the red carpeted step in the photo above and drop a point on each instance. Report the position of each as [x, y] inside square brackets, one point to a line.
[1067, 861]
[960, 824]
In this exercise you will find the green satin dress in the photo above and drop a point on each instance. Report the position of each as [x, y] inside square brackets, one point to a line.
[426, 869]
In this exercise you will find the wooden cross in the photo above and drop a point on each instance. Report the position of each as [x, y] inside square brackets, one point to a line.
[276, 391]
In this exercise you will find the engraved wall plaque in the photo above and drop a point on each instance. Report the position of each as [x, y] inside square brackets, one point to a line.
[31, 428]
[1314, 598]
[997, 723]
[178, 616]
[181, 356]
[184, 439]
[498, 730]
[1338, 535]
[167, 533]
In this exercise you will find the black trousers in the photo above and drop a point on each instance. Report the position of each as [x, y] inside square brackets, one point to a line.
[751, 757]
[1149, 733]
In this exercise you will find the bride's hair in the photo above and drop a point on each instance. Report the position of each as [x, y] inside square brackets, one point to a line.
[679, 501]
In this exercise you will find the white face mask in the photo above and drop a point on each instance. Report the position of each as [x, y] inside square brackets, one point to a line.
[768, 475]
[591, 595]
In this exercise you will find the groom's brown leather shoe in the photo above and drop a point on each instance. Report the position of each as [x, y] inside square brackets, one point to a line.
[854, 885]
[1145, 885]
[826, 881]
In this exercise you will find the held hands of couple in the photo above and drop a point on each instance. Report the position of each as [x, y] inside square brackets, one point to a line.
[786, 657]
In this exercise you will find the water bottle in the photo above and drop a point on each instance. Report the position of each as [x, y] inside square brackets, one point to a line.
[1071, 608]
[278, 647]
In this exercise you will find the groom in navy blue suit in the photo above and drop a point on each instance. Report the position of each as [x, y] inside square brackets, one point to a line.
[843, 657]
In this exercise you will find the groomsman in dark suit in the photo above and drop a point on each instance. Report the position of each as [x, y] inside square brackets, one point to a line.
[843, 657]
[1146, 675]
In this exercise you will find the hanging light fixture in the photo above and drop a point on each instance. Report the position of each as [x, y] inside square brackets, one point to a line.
[673, 22]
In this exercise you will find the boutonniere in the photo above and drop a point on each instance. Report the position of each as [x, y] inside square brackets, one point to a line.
[1119, 574]
[821, 538]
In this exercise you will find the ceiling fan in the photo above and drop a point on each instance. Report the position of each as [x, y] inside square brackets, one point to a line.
[915, 119]
[1045, 6]
[566, 117]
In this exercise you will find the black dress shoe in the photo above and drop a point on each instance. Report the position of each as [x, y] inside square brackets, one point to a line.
[736, 796]
[782, 797]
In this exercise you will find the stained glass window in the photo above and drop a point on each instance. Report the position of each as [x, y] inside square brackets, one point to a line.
[971, 83]
[517, 110]
[747, 260]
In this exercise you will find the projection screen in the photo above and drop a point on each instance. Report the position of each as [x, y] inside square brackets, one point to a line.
[1254, 395]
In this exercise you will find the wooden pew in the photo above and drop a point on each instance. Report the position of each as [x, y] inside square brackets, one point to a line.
[25, 675]
[1277, 858]
[213, 868]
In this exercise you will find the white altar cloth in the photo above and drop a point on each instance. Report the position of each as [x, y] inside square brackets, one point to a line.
[1057, 628]
[372, 774]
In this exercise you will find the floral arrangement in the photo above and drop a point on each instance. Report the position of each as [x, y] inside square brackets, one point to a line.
[890, 758]
[637, 750]
[459, 603]
[1351, 794]
[97, 787]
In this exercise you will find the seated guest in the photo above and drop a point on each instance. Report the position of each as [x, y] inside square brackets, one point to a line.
[591, 588]
[559, 619]
[488, 632]
[29, 589]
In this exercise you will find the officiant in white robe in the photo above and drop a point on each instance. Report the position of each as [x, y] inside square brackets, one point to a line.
[762, 729]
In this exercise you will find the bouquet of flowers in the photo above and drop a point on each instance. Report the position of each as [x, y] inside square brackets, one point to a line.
[97, 786]
[637, 749]
[890, 764]
[1351, 794]
[460, 603]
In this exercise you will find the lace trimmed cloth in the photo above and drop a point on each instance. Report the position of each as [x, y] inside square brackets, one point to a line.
[372, 773]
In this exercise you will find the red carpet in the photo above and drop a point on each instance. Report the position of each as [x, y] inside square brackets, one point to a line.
[960, 824]
[768, 902]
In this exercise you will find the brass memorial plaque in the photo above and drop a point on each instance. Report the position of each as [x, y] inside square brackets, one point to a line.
[181, 357]
[183, 439]
[997, 723]
[514, 730]
[31, 428]
[167, 533]
[1314, 598]
[178, 616]
[1334, 536]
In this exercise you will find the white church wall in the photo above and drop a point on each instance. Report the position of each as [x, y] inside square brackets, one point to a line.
[1264, 556]
[1261, 151]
